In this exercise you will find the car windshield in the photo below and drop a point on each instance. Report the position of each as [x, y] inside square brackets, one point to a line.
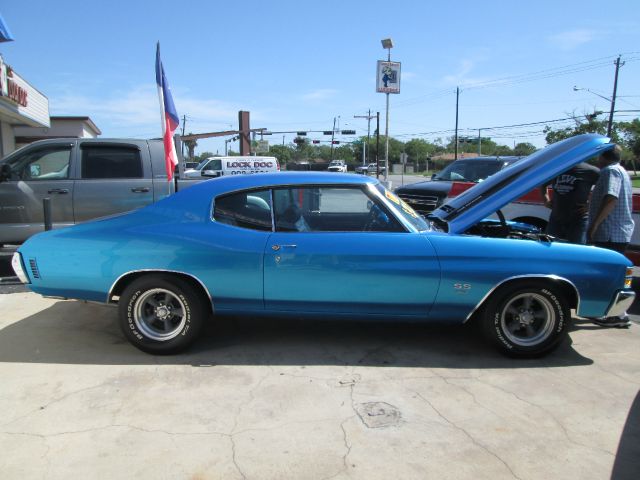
[408, 213]
[469, 170]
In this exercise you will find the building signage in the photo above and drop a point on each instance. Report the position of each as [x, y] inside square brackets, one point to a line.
[9, 89]
[388, 77]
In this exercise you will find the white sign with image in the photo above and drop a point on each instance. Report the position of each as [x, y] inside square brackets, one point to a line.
[388, 77]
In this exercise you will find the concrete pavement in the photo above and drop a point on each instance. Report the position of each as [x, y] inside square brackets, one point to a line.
[276, 399]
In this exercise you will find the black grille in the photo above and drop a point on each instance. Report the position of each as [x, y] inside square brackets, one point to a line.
[34, 268]
[422, 204]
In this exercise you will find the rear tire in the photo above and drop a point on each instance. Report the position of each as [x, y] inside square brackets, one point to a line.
[161, 314]
[526, 319]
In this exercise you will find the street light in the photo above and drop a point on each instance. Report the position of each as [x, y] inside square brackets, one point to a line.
[387, 44]
[610, 100]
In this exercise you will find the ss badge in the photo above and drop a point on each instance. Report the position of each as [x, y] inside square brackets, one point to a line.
[462, 288]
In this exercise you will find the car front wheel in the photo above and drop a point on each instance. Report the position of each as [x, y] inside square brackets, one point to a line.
[161, 314]
[526, 320]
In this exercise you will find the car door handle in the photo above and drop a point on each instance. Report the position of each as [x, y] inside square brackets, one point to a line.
[140, 189]
[275, 248]
[60, 191]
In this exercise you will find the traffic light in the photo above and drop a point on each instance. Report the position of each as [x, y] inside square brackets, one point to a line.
[301, 134]
[327, 132]
[336, 142]
[298, 141]
[316, 141]
[348, 132]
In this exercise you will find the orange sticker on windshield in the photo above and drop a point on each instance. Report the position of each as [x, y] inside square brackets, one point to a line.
[392, 197]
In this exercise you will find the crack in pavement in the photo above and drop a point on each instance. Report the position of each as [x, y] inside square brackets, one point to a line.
[466, 433]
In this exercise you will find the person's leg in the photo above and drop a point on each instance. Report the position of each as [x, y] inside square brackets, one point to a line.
[577, 231]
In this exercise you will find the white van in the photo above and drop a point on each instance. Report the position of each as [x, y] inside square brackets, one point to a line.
[219, 166]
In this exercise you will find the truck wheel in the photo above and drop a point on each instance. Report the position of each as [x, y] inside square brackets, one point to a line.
[161, 314]
[526, 320]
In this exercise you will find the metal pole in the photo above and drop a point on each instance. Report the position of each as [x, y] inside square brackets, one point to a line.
[613, 98]
[386, 134]
[184, 124]
[369, 117]
[46, 207]
[333, 132]
[479, 143]
[377, 144]
[455, 157]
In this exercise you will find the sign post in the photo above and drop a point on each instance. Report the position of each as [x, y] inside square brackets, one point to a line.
[387, 81]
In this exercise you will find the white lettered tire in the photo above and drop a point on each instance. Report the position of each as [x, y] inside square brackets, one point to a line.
[161, 313]
[526, 319]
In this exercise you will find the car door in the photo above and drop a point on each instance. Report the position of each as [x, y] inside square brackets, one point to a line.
[345, 253]
[36, 173]
[113, 178]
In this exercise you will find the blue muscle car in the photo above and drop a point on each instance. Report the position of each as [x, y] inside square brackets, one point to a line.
[317, 244]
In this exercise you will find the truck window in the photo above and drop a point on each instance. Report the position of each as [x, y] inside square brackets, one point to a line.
[42, 164]
[111, 162]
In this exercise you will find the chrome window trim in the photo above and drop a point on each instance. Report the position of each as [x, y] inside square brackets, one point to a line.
[517, 277]
[152, 270]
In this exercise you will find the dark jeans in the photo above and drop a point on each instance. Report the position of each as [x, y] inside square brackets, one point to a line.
[574, 231]
[616, 247]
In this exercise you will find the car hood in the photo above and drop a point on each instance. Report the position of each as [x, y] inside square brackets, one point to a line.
[512, 182]
[441, 187]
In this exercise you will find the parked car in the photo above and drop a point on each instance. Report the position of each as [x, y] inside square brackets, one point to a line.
[319, 244]
[236, 165]
[84, 178]
[370, 169]
[337, 166]
[426, 196]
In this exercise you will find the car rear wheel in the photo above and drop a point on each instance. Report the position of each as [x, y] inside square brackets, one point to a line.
[526, 320]
[161, 314]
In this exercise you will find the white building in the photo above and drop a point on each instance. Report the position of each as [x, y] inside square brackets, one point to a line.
[20, 105]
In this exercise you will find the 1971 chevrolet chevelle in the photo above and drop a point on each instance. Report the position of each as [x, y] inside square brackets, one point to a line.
[315, 244]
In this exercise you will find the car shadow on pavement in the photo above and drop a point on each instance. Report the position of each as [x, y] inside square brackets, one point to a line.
[71, 332]
[627, 462]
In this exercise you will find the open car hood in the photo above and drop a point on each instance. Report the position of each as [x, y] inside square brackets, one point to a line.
[512, 182]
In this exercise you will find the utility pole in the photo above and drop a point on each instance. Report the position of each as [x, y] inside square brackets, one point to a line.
[368, 117]
[333, 132]
[479, 142]
[455, 157]
[377, 144]
[613, 98]
[184, 125]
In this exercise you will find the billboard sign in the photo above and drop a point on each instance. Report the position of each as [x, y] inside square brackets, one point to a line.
[388, 77]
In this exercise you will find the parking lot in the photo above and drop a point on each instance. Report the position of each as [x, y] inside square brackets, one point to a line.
[274, 399]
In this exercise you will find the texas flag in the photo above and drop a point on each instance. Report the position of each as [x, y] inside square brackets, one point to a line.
[168, 116]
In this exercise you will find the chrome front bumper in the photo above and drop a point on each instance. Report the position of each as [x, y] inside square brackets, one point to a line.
[620, 304]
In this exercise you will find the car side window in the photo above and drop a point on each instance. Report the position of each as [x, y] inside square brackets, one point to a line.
[248, 209]
[111, 162]
[42, 164]
[331, 209]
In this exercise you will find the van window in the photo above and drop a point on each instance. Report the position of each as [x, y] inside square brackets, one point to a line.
[248, 209]
[42, 164]
[111, 162]
[215, 164]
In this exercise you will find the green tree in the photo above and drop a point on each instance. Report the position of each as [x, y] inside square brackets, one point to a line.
[282, 153]
[523, 149]
[582, 124]
[202, 156]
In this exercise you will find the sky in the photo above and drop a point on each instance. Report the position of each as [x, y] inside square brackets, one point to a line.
[297, 66]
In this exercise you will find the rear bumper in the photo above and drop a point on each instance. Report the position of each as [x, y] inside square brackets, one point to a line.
[621, 303]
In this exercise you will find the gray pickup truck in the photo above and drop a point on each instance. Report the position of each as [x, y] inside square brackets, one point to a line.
[84, 178]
